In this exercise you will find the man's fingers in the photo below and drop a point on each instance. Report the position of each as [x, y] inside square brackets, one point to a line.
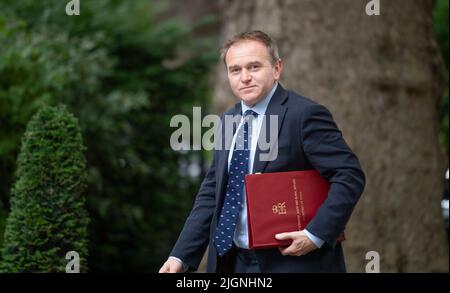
[297, 248]
[282, 250]
[289, 250]
[164, 268]
[171, 266]
[284, 236]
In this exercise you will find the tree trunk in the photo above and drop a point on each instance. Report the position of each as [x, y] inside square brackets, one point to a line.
[381, 77]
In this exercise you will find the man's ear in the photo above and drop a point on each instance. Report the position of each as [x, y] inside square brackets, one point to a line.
[278, 67]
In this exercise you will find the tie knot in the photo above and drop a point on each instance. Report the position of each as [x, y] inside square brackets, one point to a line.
[250, 113]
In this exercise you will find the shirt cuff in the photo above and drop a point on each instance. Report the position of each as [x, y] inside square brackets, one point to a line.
[316, 240]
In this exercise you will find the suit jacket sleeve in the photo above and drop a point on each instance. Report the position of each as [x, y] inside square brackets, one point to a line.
[329, 154]
[194, 237]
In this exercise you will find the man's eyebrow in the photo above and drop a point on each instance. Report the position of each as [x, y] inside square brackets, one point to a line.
[233, 67]
[254, 63]
[248, 64]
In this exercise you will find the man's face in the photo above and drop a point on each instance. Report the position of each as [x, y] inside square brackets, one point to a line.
[250, 73]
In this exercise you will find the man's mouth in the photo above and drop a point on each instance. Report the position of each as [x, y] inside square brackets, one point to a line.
[247, 87]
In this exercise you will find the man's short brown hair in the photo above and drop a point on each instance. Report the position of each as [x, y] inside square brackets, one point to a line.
[255, 35]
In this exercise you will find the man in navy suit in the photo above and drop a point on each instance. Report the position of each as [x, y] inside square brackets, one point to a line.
[307, 138]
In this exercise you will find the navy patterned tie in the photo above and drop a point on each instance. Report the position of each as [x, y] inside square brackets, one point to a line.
[235, 188]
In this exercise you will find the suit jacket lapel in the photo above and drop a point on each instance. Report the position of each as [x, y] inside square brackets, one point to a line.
[277, 108]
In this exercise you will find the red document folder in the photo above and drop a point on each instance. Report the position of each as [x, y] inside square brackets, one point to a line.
[282, 202]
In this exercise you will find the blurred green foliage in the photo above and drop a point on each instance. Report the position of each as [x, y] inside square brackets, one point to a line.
[440, 23]
[124, 71]
[48, 216]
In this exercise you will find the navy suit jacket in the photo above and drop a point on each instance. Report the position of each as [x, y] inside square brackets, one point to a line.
[308, 138]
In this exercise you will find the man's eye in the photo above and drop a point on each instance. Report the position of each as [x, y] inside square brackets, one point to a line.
[235, 70]
[254, 67]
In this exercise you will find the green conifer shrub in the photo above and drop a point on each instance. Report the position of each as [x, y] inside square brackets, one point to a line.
[48, 217]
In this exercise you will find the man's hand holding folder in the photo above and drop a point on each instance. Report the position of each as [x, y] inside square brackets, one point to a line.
[301, 244]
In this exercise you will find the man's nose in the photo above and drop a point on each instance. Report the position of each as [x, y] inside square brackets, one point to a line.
[246, 76]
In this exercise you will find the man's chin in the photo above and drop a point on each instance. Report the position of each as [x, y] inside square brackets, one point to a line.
[250, 100]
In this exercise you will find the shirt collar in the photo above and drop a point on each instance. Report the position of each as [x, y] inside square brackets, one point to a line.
[261, 106]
